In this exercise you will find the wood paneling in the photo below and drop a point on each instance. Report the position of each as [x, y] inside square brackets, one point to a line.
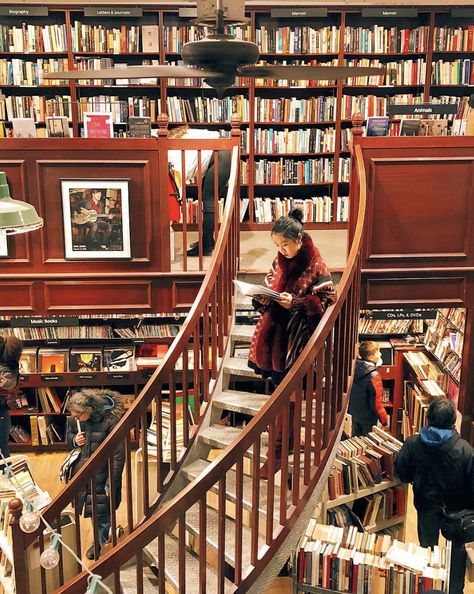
[18, 297]
[96, 296]
[396, 291]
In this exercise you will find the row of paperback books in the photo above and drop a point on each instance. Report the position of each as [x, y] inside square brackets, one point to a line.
[20, 72]
[368, 325]
[309, 140]
[292, 171]
[207, 109]
[89, 359]
[298, 40]
[383, 40]
[295, 109]
[33, 38]
[347, 560]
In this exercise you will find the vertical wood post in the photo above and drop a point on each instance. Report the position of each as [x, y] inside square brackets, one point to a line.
[20, 566]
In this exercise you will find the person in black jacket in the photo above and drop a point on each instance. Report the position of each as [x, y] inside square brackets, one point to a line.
[440, 465]
[11, 348]
[96, 413]
[365, 404]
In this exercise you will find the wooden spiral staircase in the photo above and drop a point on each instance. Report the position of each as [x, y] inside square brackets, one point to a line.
[197, 523]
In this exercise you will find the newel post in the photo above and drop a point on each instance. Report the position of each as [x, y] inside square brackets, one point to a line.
[20, 566]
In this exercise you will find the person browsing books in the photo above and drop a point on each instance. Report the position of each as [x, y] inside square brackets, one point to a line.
[94, 414]
[11, 348]
[365, 402]
[209, 168]
[301, 276]
[440, 466]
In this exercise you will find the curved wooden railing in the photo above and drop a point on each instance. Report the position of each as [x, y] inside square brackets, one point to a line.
[178, 380]
[318, 384]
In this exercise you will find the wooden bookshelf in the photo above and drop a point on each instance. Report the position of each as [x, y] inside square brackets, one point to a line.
[411, 47]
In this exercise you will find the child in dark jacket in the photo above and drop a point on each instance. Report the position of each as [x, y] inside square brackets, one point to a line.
[94, 414]
[365, 404]
[11, 348]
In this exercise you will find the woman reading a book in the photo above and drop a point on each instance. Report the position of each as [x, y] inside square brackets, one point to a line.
[301, 277]
[94, 414]
[11, 348]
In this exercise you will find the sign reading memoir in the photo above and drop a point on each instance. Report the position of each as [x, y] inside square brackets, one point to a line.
[303, 12]
[96, 218]
[107, 11]
[402, 314]
[422, 109]
[23, 11]
[390, 12]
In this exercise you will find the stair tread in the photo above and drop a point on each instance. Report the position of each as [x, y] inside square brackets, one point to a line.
[191, 565]
[238, 366]
[212, 526]
[243, 332]
[193, 470]
[247, 403]
[221, 436]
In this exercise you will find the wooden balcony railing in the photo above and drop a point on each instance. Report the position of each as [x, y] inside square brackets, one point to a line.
[318, 384]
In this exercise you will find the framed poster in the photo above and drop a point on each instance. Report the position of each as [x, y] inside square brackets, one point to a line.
[96, 218]
[3, 245]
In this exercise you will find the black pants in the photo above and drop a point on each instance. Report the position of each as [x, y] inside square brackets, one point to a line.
[208, 202]
[429, 524]
[5, 425]
[362, 427]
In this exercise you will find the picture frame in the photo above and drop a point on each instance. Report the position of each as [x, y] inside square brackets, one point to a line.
[96, 218]
[3, 245]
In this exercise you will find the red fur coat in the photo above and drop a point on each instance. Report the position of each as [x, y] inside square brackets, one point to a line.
[281, 334]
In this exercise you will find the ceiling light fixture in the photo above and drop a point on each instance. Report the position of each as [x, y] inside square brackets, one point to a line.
[16, 216]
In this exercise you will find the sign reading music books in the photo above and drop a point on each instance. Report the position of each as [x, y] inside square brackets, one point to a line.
[31, 322]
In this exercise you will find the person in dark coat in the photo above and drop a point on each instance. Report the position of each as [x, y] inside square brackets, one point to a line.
[440, 465]
[96, 413]
[365, 403]
[11, 348]
[301, 276]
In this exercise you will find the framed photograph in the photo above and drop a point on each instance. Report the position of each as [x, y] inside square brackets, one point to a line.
[96, 218]
[3, 245]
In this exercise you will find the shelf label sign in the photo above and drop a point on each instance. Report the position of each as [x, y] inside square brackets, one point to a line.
[24, 11]
[120, 376]
[422, 109]
[106, 11]
[403, 314]
[31, 322]
[188, 12]
[87, 376]
[295, 13]
[462, 12]
[390, 12]
[52, 378]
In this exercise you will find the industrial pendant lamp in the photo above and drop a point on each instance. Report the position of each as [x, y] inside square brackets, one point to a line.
[16, 216]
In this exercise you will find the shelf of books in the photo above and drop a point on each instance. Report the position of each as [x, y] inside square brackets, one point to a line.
[425, 381]
[362, 488]
[65, 353]
[336, 560]
[297, 132]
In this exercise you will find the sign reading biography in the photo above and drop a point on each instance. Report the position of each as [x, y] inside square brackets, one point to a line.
[390, 12]
[422, 109]
[24, 11]
[304, 12]
[107, 11]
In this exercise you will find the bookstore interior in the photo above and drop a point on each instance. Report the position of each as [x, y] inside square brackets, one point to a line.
[294, 150]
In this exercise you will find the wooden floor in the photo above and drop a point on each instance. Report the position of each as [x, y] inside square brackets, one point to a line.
[45, 468]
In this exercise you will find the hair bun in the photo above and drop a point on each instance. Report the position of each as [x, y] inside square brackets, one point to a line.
[297, 214]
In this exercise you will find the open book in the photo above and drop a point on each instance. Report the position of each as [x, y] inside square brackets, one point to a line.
[252, 290]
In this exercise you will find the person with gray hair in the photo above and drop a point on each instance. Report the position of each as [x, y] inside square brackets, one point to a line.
[94, 414]
[440, 466]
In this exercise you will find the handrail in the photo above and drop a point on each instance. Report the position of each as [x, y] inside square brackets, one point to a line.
[202, 338]
[319, 382]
